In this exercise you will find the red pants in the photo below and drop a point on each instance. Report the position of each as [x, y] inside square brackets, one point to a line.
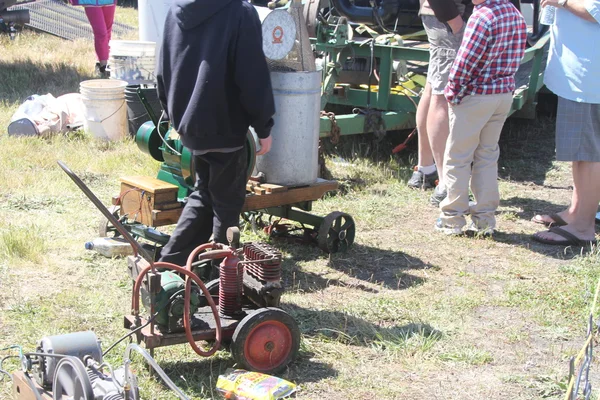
[101, 19]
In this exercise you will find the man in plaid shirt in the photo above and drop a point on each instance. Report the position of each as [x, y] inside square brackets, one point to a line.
[479, 93]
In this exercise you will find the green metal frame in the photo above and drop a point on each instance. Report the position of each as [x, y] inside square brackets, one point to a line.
[397, 111]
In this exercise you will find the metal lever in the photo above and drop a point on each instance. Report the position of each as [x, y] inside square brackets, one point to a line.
[136, 246]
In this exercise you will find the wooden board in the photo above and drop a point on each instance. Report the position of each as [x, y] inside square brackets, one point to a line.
[22, 391]
[290, 196]
[274, 188]
[149, 184]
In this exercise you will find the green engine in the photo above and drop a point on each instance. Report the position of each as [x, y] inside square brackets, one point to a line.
[177, 161]
[169, 302]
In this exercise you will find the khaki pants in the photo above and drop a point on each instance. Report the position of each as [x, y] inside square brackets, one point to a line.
[475, 127]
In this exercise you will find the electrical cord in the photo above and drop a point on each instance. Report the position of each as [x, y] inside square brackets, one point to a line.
[4, 372]
[20, 356]
[162, 137]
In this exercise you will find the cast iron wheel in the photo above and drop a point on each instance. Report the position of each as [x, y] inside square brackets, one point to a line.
[105, 227]
[266, 341]
[336, 232]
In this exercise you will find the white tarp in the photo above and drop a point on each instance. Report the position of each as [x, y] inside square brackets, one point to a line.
[45, 115]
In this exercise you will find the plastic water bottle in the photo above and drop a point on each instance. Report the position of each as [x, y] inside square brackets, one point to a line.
[110, 247]
[548, 15]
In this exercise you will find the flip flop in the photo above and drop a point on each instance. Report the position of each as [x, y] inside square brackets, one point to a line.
[570, 239]
[556, 220]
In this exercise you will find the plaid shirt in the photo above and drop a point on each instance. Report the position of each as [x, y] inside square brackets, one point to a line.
[490, 53]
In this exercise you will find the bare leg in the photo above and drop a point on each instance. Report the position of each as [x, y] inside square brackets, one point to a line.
[567, 214]
[581, 214]
[424, 149]
[438, 129]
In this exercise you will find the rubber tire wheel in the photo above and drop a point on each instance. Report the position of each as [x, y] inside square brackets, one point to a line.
[103, 226]
[336, 232]
[255, 330]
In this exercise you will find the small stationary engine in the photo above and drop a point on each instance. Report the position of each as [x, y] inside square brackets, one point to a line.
[250, 277]
[71, 365]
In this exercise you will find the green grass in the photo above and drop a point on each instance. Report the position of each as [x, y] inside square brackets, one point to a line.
[405, 313]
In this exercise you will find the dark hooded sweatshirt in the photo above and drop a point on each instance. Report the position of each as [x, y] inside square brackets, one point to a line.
[212, 76]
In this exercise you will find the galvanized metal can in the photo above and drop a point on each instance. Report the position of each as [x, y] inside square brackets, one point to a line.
[294, 156]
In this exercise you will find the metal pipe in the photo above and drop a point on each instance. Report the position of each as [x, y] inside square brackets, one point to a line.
[387, 11]
[15, 17]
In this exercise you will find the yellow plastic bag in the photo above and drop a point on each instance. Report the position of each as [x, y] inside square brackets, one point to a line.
[239, 384]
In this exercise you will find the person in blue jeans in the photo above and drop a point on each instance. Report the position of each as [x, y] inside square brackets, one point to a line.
[573, 74]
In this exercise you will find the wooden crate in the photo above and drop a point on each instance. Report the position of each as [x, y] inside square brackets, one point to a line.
[149, 201]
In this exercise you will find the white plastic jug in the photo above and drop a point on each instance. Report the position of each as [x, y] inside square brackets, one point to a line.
[110, 247]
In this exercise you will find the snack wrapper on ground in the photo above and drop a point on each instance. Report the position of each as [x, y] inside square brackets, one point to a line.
[239, 384]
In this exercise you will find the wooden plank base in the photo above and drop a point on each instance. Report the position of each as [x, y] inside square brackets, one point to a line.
[22, 391]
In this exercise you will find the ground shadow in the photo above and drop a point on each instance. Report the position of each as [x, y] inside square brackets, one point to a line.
[40, 78]
[530, 206]
[527, 149]
[391, 269]
[349, 329]
[525, 240]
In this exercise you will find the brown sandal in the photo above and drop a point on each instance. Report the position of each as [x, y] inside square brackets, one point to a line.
[569, 238]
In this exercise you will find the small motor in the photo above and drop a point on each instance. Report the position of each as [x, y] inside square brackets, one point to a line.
[169, 302]
[71, 365]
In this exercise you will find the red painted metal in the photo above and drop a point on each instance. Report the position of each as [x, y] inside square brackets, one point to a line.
[230, 286]
[267, 265]
[268, 345]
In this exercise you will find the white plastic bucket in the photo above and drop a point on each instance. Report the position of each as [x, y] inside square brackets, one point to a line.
[105, 108]
[132, 61]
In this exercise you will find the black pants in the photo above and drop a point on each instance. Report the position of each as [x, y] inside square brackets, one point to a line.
[213, 207]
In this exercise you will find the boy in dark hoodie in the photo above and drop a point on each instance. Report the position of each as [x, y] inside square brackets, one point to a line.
[213, 83]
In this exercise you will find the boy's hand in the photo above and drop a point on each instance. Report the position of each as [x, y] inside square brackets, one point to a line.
[265, 145]
[456, 23]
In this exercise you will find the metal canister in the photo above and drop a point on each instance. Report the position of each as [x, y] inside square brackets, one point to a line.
[294, 156]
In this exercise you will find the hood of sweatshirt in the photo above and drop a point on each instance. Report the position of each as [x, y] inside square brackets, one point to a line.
[191, 13]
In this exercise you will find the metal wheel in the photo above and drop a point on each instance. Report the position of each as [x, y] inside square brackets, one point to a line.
[105, 228]
[336, 232]
[266, 341]
[71, 381]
